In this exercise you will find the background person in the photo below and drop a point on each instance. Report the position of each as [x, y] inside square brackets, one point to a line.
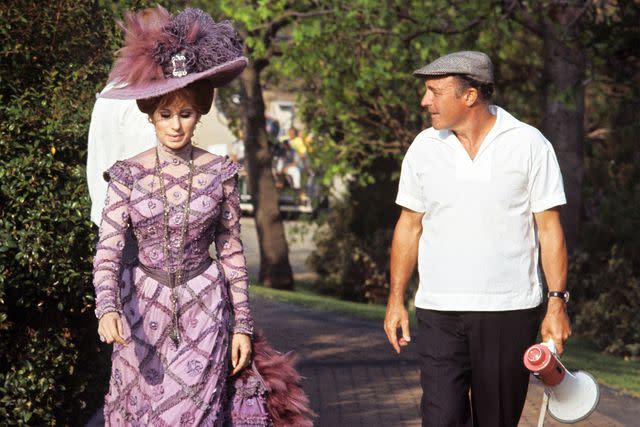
[237, 149]
[118, 129]
[289, 164]
[297, 143]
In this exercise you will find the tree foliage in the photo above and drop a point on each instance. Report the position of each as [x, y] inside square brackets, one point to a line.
[606, 271]
[361, 103]
[359, 97]
[260, 24]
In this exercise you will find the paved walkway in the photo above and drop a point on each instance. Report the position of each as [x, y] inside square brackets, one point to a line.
[354, 378]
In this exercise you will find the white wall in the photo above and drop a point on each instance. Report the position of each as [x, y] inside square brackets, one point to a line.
[213, 134]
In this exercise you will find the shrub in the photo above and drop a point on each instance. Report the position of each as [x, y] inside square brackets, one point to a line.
[608, 312]
[349, 267]
[605, 273]
[54, 55]
[352, 259]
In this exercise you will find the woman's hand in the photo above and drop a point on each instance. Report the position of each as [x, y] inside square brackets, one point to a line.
[110, 328]
[240, 352]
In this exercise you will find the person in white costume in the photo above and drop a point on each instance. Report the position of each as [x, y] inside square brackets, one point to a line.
[118, 130]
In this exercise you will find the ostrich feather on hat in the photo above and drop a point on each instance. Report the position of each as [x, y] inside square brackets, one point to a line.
[141, 30]
[169, 53]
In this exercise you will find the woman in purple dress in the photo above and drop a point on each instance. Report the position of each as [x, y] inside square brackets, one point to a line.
[173, 314]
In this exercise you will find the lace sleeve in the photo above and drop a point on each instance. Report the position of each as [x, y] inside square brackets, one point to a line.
[230, 250]
[115, 217]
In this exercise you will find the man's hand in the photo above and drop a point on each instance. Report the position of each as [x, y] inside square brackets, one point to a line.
[397, 317]
[404, 254]
[110, 328]
[240, 352]
[555, 324]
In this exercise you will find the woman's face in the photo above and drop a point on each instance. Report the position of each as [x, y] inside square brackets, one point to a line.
[175, 124]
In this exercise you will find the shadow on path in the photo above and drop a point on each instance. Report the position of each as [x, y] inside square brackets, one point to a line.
[354, 378]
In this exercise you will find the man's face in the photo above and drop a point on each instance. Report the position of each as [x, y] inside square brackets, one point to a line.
[446, 108]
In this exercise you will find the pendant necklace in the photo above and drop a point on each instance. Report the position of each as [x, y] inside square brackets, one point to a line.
[175, 273]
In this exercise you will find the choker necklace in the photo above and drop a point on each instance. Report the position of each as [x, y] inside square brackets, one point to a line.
[175, 274]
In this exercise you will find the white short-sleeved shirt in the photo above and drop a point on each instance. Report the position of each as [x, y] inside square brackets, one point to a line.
[118, 130]
[479, 248]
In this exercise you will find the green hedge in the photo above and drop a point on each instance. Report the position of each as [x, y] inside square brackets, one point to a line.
[53, 58]
[353, 242]
[605, 273]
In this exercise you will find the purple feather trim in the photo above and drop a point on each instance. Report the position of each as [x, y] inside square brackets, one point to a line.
[135, 63]
[287, 403]
[204, 43]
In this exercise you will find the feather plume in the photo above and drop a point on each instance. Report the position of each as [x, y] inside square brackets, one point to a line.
[287, 403]
[135, 62]
[204, 43]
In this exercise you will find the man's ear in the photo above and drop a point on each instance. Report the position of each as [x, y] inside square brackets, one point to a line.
[471, 96]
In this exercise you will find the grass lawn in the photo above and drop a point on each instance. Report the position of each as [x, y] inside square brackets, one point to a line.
[579, 353]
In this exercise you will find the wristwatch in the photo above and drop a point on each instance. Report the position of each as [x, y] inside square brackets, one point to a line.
[559, 294]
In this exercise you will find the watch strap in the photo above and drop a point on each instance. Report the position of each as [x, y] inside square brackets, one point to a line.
[559, 294]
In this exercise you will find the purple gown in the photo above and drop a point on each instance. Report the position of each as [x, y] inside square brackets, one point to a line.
[153, 382]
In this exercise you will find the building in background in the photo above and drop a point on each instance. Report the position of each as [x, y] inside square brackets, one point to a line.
[213, 133]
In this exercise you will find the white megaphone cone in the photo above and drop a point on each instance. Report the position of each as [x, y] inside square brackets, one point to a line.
[573, 396]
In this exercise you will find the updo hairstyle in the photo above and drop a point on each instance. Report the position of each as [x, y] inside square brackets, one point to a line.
[198, 94]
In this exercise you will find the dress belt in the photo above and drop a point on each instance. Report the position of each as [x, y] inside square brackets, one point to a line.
[164, 277]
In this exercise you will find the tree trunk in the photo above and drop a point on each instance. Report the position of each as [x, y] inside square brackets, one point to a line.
[275, 270]
[563, 122]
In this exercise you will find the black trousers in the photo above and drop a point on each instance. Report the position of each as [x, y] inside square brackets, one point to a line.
[479, 352]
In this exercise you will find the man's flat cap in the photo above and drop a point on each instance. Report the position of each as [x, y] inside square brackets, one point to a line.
[474, 64]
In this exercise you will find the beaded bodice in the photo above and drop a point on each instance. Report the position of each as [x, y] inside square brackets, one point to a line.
[134, 195]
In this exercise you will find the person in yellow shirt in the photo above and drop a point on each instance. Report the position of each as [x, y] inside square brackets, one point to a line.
[297, 143]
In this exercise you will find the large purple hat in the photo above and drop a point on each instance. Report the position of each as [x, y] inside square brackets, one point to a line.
[168, 53]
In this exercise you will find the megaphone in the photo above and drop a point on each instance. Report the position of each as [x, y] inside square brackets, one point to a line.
[573, 396]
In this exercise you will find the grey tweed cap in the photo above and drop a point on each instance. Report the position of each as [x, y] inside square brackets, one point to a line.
[476, 65]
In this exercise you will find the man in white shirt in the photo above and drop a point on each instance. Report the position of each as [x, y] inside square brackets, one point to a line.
[479, 193]
[118, 131]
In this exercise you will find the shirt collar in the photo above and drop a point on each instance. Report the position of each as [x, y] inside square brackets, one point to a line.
[504, 122]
